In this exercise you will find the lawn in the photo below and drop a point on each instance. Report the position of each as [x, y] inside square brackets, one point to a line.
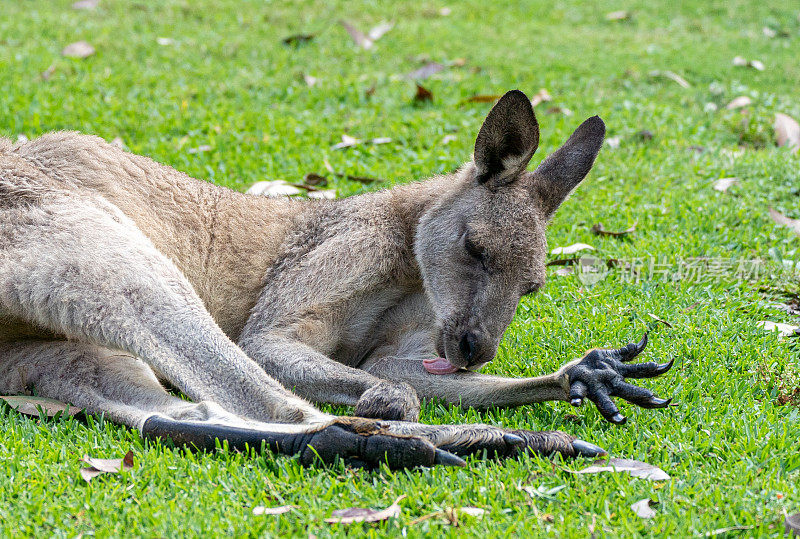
[212, 89]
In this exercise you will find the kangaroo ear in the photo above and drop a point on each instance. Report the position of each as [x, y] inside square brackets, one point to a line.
[507, 140]
[564, 169]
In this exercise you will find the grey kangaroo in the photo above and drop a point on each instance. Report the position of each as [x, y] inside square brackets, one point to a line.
[121, 277]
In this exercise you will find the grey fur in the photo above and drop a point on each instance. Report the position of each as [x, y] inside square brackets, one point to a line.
[118, 274]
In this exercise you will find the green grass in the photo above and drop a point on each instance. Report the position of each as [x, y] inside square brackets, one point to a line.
[230, 83]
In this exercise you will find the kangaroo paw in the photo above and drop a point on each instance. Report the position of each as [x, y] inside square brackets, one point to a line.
[356, 441]
[549, 442]
[601, 375]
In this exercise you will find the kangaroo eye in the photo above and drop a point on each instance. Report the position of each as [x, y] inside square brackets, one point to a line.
[475, 251]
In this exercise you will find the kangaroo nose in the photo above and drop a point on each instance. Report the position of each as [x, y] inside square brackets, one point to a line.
[468, 346]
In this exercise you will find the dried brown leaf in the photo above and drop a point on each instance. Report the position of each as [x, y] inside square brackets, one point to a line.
[79, 49]
[618, 15]
[274, 188]
[431, 68]
[261, 510]
[378, 31]
[369, 92]
[642, 508]
[110, 465]
[86, 4]
[347, 142]
[787, 131]
[317, 180]
[90, 473]
[47, 73]
[661, 320]
[359, 514]
[541, 96]
[599, 230]
[782, 220]
[784, 330]
[739, 102]
[671, 75]
[482, 98]
[297, 39]
[571, 249]
[423, 94]
[723, 184]
[357, 35]
[633, 467]
[30, 406]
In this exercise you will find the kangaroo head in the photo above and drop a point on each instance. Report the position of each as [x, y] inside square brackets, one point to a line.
[481, 246]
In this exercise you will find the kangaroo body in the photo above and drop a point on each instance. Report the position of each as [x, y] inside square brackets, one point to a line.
[119, 275]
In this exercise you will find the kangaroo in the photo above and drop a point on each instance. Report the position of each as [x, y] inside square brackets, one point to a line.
[121, 278]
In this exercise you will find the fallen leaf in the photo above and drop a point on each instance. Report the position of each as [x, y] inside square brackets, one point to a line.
[315, 179]
[720, 531]
[476, 512]
[274, 188]
[540, 97]
[739, 102]
[357, 35]
[105, 466]
[671, 75]
[431, 68]
[723, 184]
[360, 179]
[347, 142]
[165, 41]
[784, 330]
[358, 514]
[110, 465]
[769, 32]
[482, 98]
[571, 249]
[542, 491]
[79, 49]
[322, 194]
[86, 4]
[261, 510]
[618, 15]
[613, 142]
[423, 94]
[200, 149]
[642, 508]
[645, 134]
[298, 39]
[377, 32]
[445, 11]
[599, 230]
[559, 110]
[563, 272]
[30, 406]
[742, 62]
[657, 319]
[782, 220]
[787, 131]
[369, 92]
[310, 81]
[447, 139]
[21, 138]
[633, 467]
[47, 73]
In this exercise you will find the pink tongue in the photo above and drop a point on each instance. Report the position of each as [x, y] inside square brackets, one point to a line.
[438, 365]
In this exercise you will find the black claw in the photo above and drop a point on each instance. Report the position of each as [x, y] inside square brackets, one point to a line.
[513, 439]
[629, 352]
[576, 402]
[660, 403]
[585, 449]
[619, 419]
[664, 367]
[445, 458]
